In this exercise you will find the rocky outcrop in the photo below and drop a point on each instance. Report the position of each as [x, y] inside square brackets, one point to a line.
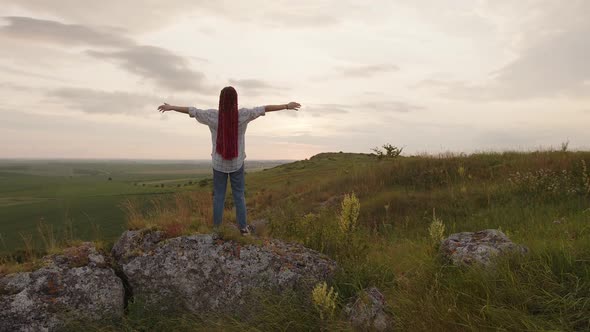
[75, 285]
[197, 272]
[367, 311]
[467, 248]
[203, 272]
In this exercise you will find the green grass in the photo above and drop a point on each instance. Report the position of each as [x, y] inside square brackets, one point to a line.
[78, 199]
[546, 208]
[549, 289]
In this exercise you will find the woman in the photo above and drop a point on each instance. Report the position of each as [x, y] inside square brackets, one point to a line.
[228, 126]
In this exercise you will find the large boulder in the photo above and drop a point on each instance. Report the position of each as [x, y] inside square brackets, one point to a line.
[203, 272]
[73, 286]
[366, 312]
[467, 248]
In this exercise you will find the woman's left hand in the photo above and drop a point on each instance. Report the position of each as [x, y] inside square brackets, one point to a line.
[293, 106]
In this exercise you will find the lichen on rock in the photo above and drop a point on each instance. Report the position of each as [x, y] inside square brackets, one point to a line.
[75, 285]
[366, 312]
[201, 272]
[467, 248]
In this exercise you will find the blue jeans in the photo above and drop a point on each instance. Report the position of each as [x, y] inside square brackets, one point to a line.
[237, 188]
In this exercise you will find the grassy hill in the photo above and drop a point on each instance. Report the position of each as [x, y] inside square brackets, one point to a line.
[507, 190]
[539, 199]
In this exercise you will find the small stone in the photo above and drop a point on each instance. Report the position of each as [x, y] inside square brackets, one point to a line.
[367, 311]
[467, 248]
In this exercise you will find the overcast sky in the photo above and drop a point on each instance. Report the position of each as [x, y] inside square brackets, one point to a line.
[83, 79]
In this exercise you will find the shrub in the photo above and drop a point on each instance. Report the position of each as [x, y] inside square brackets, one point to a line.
[555, 182]
[350, 212]
[324, 300]
[436, 230]
[390, 151]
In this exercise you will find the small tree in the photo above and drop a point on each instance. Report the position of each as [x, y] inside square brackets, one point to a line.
[390, 151]
[565, 145]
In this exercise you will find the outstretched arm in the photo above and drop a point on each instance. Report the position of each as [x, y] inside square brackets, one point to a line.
[290, 106]
[166, 107]
[206, 117]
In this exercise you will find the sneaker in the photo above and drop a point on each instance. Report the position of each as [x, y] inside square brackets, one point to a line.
[247, 231]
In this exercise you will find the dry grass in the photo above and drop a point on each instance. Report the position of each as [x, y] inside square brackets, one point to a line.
[185, 213]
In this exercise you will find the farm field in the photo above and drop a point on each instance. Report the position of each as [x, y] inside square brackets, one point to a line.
[81, 198]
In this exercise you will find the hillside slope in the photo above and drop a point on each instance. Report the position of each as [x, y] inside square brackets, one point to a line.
[540, 200]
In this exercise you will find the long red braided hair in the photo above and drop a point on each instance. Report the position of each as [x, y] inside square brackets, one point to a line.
[227, 124]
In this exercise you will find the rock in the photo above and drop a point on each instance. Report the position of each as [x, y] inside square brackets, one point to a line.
[367, 311]
[76, 285]
[201, 272]
[134, 243]
[478, 247]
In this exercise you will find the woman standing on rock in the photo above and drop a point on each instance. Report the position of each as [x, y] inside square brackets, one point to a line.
[228, 126]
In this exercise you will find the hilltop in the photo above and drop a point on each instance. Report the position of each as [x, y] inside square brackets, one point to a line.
[538, 199]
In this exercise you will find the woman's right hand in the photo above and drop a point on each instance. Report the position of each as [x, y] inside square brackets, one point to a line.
[164, 107]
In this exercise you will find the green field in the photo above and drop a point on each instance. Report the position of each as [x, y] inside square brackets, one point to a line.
[82, 198]
[540, 199]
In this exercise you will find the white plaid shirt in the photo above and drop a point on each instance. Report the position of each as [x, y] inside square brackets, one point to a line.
[209, 117]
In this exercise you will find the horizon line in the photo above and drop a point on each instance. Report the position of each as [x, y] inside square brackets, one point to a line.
[130, 159]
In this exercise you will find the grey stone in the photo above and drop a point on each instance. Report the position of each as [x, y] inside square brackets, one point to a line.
[75, 285]
[467, 248]
[202, 272]
[367, 311]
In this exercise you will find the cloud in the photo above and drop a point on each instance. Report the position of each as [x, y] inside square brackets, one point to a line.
[251, 84]
[455, 89]
[332, 108]
[380, 108]
[392, 106]
[357, 71]
[552, 51]
[254, 87]
[15, 87]
[322, 110]
[363, 71]
[302, 18]
[167, 69]
[556, 66]
[18, 72]
[148, 15]
[104, 102]
[137, 15]
[37, 30]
